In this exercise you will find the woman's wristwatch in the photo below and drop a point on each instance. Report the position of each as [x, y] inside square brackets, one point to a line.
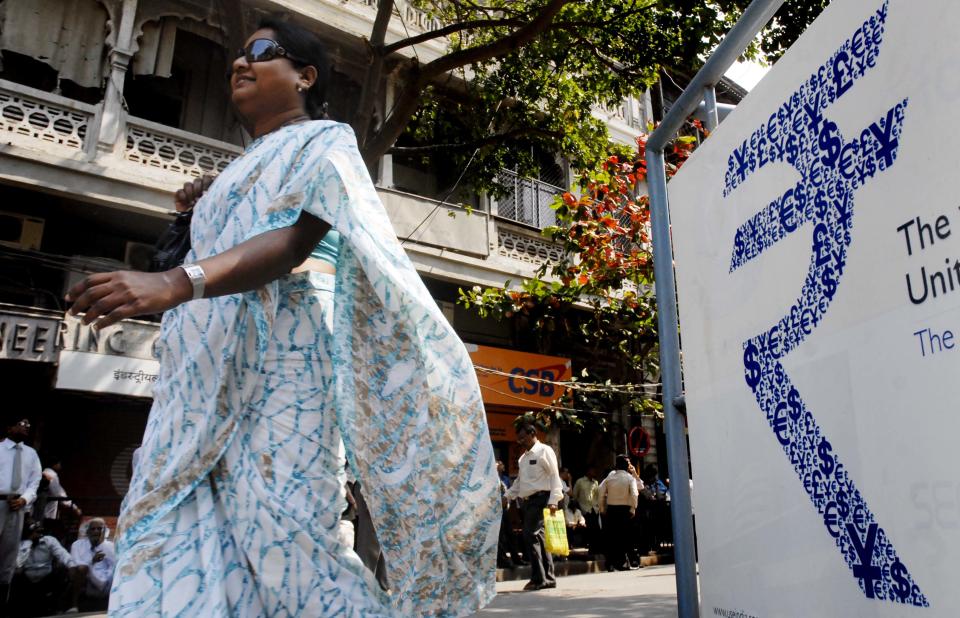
[198, 279]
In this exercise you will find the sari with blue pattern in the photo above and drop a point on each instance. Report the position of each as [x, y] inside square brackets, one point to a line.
[235, 501]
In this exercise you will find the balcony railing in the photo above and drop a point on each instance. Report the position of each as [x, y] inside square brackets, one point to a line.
[527, 200]
[30, 115]
[155, 145]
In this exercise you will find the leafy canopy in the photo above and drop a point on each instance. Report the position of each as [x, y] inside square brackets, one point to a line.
[523, 76]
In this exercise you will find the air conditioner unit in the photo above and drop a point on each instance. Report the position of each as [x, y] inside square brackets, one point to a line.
[20, 231]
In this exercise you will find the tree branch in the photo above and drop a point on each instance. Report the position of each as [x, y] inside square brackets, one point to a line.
[363, 118]
[448, 30]
[408, 102]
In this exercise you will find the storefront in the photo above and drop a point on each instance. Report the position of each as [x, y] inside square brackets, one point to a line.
[512, 383]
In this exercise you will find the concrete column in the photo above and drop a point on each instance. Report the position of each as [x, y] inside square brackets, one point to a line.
[113, 116]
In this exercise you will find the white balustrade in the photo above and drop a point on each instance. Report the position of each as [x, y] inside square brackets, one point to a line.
[528, 249]
[159, 146]
[36, 118]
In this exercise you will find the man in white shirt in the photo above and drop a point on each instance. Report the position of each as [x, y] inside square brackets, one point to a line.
[618, 504]
[38, 584]
[95, 559]
[538, 484]
[19, 479]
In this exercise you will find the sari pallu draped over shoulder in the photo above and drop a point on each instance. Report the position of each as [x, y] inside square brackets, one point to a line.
[407, 401]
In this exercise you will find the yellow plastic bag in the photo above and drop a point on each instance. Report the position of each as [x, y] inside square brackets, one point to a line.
[555, 533]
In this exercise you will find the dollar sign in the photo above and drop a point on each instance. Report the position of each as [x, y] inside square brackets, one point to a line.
[796, 406]
[901, 586]
[751, 365]
[829, 282]
[801, 196]
[793, 149]
[830, 143]
[820, 204]
[826, 458]
[739, 244]
[843, 507]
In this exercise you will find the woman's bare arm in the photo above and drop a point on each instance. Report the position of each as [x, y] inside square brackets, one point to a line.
[106, 298]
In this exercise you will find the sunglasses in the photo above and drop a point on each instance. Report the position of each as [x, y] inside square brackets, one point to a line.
[264, 50]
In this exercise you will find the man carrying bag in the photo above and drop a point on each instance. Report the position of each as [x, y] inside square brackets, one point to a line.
[538, 484]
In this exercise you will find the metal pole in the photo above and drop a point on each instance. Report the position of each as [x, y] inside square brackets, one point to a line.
[732, 47]
[710, 108]
[753, 20]
[674, 426]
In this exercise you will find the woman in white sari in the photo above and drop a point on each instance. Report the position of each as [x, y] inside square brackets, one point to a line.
[277, 366]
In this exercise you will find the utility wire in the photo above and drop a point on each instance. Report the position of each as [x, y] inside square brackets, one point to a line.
[627, 389]
[539, 404]
[456, 184]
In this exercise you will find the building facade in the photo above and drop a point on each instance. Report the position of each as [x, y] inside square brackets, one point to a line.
[106, 108]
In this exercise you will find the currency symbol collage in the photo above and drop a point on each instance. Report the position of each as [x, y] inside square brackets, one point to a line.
[831, 168]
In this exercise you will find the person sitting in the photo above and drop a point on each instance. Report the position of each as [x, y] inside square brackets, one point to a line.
[95, 559]
[41, 576]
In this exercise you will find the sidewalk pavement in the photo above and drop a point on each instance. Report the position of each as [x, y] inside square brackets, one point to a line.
[650, 592]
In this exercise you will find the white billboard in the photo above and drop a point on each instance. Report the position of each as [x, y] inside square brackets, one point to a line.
[817, 239]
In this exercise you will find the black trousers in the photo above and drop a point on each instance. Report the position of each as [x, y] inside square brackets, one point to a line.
[593, 533]
[616, 531]
[541, 562]
[506, 542]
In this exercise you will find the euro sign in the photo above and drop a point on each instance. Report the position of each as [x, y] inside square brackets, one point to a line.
[831, 168]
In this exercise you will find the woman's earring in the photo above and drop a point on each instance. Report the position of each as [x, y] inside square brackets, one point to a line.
[299, 88]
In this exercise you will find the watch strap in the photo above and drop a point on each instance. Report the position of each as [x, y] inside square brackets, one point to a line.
[197, 277]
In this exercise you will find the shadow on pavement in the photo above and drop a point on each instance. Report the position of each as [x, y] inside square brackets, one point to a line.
[646, 606]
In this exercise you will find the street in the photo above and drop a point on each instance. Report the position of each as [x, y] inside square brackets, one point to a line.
[647, 593]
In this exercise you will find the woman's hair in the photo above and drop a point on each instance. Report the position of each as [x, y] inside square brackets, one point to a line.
[309, 51]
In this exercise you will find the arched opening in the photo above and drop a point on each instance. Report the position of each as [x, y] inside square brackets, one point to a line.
[178, 78]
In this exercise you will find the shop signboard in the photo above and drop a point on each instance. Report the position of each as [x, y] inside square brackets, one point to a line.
[28, 335]
[817, 237]
[118, 359]
[518, 379]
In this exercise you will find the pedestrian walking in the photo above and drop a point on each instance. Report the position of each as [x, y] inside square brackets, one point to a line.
[266, 385]
[618, 505]
[538, 484]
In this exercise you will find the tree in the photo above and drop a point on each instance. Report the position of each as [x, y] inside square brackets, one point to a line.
[536, 70]
[600, 293]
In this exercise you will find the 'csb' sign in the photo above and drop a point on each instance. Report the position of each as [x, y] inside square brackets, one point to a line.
[518, 379]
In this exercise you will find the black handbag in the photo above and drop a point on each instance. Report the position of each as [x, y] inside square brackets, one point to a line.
[173, 244]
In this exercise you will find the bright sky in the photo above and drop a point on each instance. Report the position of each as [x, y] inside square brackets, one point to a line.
[747, 74]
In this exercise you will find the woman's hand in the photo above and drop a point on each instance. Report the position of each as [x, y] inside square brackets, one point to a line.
[107, 298]
[186, 198]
